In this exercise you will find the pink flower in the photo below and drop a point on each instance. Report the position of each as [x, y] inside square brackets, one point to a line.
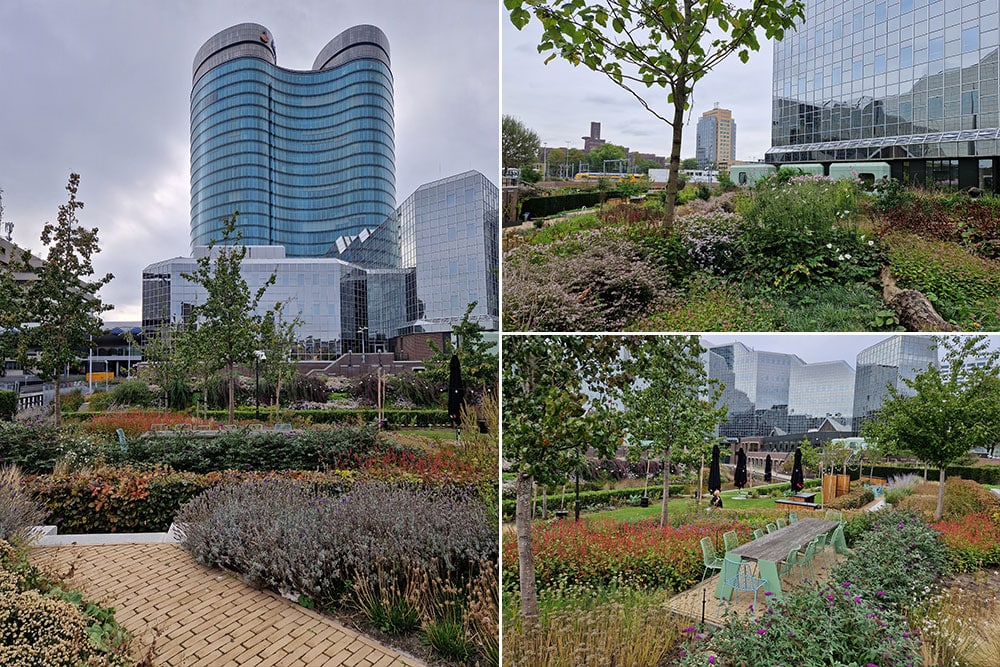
[711, 660]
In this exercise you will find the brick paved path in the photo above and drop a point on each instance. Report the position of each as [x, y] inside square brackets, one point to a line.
[205, 616]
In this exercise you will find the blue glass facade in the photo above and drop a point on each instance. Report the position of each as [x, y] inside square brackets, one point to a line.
[911, 82]
[888, 364]
[306, 157]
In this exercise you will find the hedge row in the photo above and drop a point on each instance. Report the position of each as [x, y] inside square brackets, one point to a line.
[602, 497]
[543, 206]
[988, 474]
[392, 417]
[124, 500]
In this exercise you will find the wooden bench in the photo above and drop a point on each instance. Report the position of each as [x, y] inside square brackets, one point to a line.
[796, 503]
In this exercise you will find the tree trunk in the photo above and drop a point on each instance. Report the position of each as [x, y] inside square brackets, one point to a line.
[277, 398]
[940, 504]
[666, 488]
[57, 401]
[525, 550]
[232, 393]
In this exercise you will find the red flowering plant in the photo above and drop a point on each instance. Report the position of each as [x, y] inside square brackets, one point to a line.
[973, 541]
[613, 553]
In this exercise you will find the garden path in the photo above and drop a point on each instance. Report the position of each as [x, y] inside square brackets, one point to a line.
[689, 603]
[199, 615]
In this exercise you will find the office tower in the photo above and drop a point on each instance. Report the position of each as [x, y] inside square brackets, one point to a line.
[910, 82]
[887, 364]
[716, 139]
[306, 157]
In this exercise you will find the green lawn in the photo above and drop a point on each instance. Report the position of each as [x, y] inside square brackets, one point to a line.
[681, 504]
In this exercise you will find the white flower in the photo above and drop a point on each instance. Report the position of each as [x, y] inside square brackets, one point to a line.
[840, 258]
[871, 243]
[829, 245]
[847, 256]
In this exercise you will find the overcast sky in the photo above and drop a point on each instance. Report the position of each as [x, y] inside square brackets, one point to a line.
[811, 348]
[559, 101]
[102, 88]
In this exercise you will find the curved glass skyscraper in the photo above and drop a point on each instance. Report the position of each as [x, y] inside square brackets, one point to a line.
[306, 157]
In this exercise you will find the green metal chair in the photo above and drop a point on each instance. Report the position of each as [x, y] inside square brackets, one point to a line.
[731, 540]
[771, 527]
[834, 516]
[791, 560]
[792, 518]
[738, 575]
[712, 561]
[838, 541]
[758, 533]
[781, 523]
[806, 559]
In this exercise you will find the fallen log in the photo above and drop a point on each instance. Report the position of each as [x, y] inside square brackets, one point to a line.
[914, 311]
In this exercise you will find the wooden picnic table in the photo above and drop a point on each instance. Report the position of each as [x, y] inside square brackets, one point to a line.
[805, 496]
[773, 548]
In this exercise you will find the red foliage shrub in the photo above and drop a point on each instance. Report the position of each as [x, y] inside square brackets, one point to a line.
[612, 553]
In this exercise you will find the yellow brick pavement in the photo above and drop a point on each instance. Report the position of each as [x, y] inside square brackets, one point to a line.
[202, 616]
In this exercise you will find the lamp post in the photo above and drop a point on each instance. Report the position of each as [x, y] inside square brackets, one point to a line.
[259, 356]
[361, 332]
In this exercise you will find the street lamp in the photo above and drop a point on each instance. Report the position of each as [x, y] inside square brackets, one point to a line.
[259, 356]
[361, 332]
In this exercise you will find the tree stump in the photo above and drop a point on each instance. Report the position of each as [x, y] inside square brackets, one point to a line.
[914, 311]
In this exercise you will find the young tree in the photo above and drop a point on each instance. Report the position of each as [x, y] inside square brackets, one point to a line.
[689, 163]
[224, 331]
[277, 342]
[478, 357]
[165, 367]
[669, 400]
[548, 418]
[520, 144]
[63, 300]
[12, 308]
[947, 415]
[663, 44]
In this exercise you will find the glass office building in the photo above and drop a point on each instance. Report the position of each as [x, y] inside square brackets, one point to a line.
[910, 82]
[818, 391]
[444, 237]
[416, 272]
[887, 364]
[773, 392]
[304, 156]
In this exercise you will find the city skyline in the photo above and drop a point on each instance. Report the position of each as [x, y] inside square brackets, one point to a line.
[559, 101]
[126, 128]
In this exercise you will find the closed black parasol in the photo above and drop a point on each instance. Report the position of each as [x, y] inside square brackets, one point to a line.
[714, 474]
[767, 468]
[456, 391]
[798, 479]
[740, 477]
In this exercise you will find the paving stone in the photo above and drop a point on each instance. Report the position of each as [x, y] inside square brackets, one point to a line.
[204, 616]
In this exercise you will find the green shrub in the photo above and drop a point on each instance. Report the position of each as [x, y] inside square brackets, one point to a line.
[964, 288]
[598, 497]
[132, 393]
[33, 448]
[855, 630]
[132, 500]
[711, 305]
[802, 233]
[71, 401]
[898, 562]
[858, 497]
[316, 448]
[8, 405]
